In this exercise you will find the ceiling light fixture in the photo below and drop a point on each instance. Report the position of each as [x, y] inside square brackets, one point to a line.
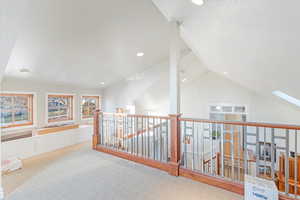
[102, 83]
[225, 73]
[24, 70]
[198, 2]
[140, 54]
[184, 80]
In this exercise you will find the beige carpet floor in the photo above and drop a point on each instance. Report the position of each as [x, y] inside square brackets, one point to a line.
[79, 173]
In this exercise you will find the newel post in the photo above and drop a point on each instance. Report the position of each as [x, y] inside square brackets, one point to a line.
[96, 134]
[175, 144]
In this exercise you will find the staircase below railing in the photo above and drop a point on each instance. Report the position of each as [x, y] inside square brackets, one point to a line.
[218, 153]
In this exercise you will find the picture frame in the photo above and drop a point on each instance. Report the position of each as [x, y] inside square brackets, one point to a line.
[262, 169]
[265, 151]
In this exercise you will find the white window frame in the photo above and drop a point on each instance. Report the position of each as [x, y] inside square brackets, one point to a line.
[60, 122]
[229, 105]
[89, 95]
[34, 111]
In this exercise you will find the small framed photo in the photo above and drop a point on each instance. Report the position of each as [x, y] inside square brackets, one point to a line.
[265, 151]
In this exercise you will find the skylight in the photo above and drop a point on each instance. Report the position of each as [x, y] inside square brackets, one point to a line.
[198, 2]
[287, 98]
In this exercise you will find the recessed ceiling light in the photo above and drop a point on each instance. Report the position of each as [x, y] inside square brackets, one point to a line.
[184, 80]
[140, 54]
[24, 70]
[102, 83]
[198, 2]
[225, 73]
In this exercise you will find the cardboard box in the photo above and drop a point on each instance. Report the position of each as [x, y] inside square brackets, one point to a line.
[260, 189]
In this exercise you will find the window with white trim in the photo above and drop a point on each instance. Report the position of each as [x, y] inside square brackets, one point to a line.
[89, 104]
[60, 108]
[228, 112]
[16, 110]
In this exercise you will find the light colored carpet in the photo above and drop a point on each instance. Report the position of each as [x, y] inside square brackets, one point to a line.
[84, 174]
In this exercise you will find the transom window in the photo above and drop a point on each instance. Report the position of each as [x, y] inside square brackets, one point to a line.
[16, 110]
[228, 112]
[227, 109]
[60, 108]
[88, 106]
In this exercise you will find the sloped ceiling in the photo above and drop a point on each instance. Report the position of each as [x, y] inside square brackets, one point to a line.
[257, 42]
[88, 42]
[11, 15]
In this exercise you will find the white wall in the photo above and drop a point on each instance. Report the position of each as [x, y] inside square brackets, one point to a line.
[130, 92]
[212, 88]
[11, 14]
[28, 147]
[41, 90]
[200, 90]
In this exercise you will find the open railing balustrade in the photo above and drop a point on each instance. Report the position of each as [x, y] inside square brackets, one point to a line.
[222, 150]
[144, 136]
[230, 150]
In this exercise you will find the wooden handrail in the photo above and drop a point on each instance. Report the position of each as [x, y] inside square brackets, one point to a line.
[135, 115]
[141, 131]
[208, 161]
[253, 124]
[114, 114]
[138, 116]
[150, 116]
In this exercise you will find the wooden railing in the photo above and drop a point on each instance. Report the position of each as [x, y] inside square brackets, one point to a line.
[145, 137]
[218, 153]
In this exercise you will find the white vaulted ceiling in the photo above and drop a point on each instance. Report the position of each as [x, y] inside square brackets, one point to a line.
[11, 14]
[88, 42]
[257, 42]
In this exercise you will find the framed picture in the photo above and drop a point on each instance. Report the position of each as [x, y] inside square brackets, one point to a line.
[265, 151]
[264, 169]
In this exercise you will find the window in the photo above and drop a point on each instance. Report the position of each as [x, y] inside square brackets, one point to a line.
[16, 110]
[88, 106]
[60, 108]
[227, 109]
[228, 112]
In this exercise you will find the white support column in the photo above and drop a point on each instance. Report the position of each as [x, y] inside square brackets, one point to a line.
[174, 84]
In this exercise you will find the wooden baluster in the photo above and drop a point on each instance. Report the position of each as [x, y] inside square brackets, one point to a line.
[175, 144]
[96, 134]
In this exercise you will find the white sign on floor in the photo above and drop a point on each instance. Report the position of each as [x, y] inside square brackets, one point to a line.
[260, 189]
